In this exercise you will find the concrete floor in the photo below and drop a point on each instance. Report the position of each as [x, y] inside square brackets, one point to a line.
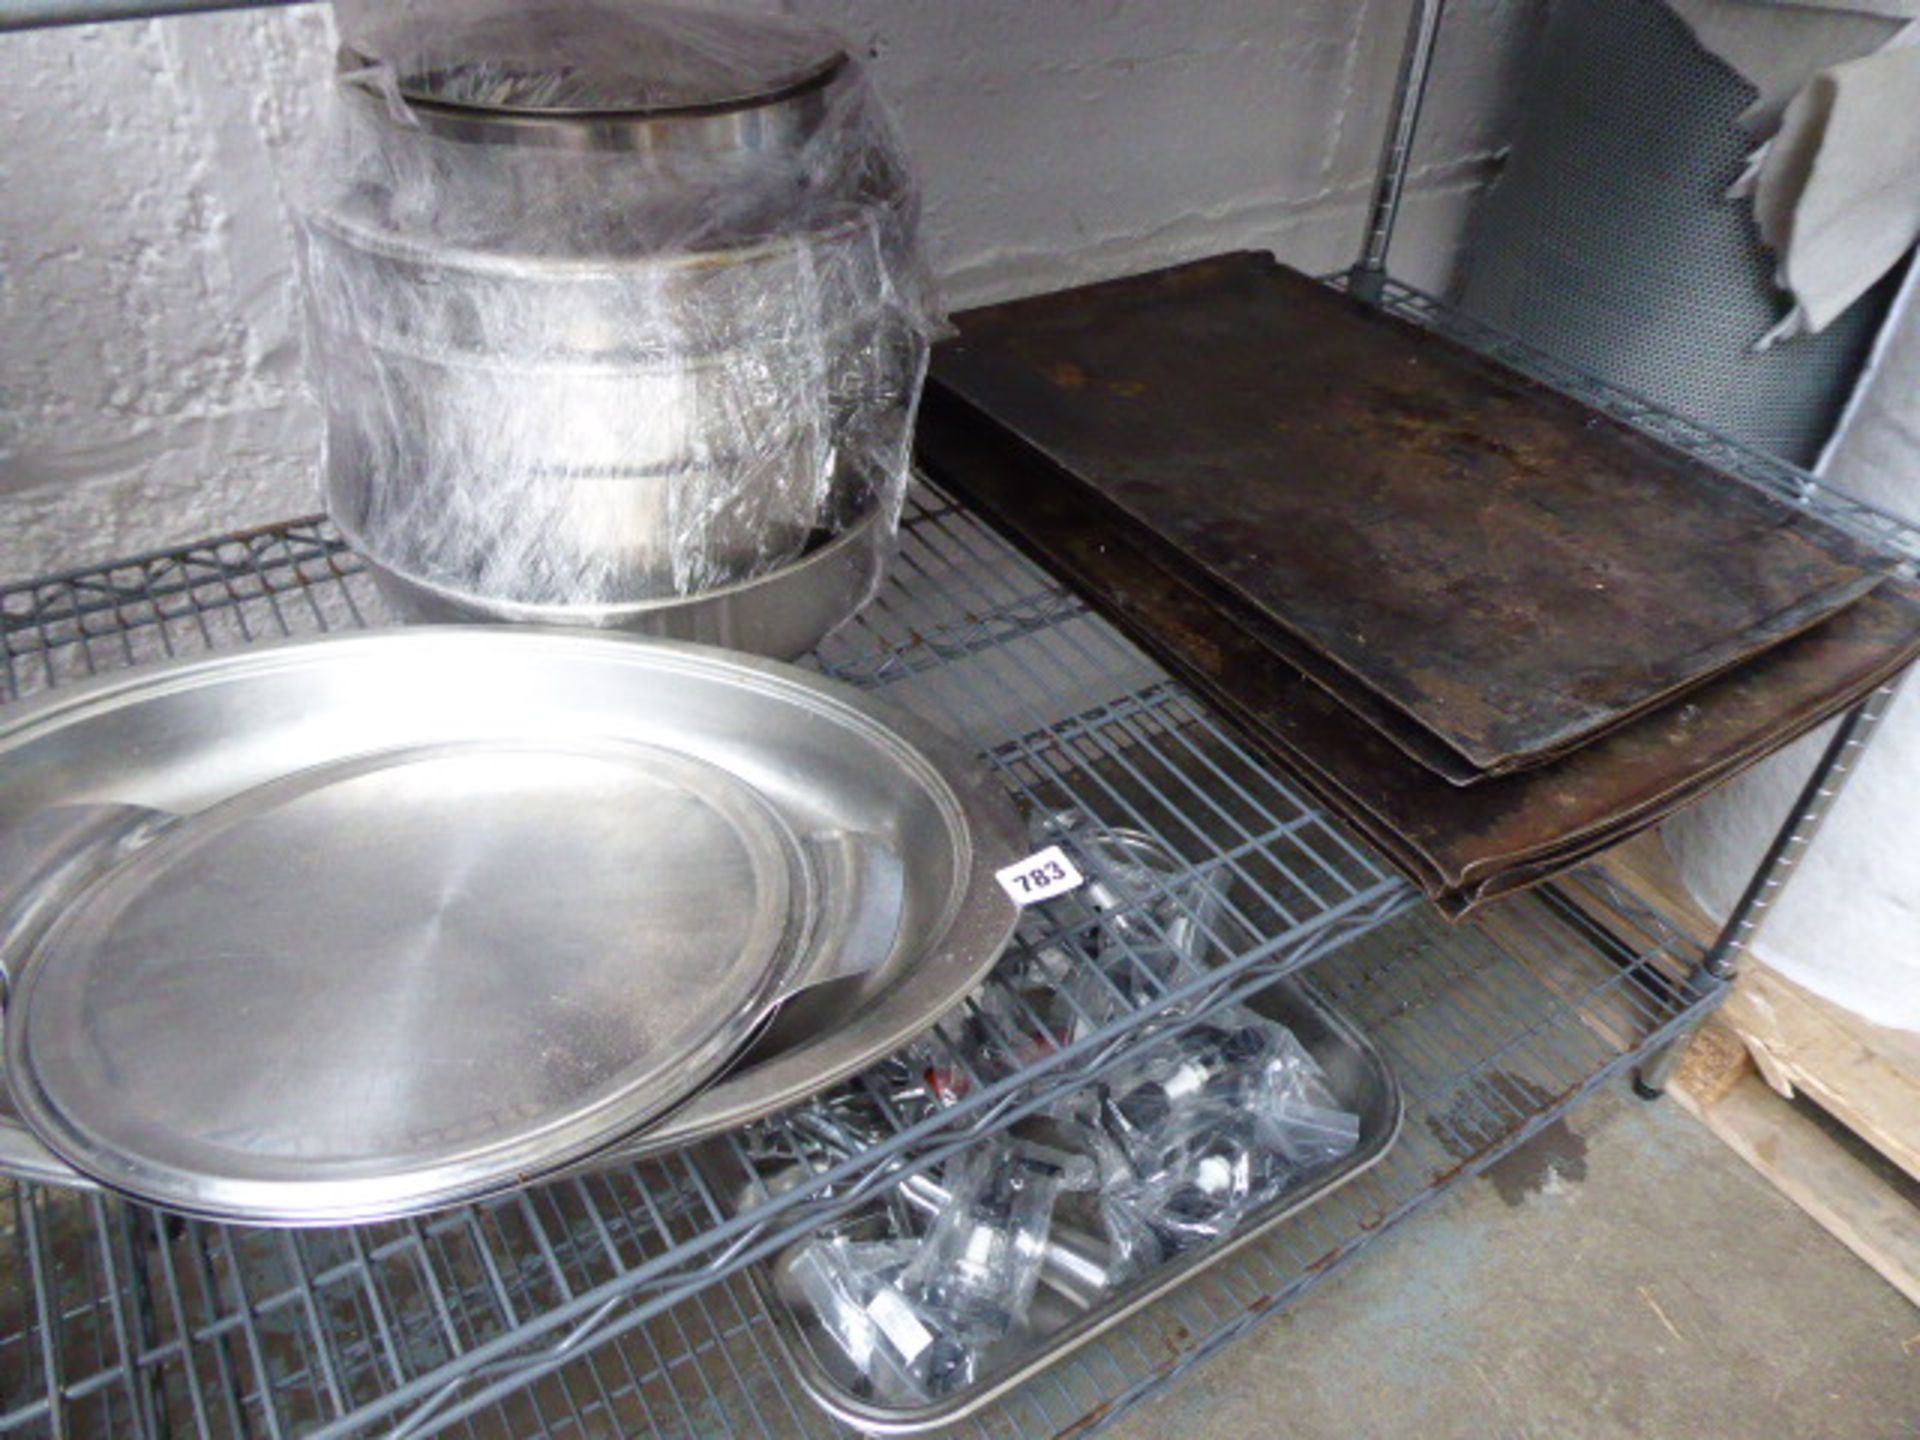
[1625, 1276]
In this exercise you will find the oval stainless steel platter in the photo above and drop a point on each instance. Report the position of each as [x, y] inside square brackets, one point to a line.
[443, 911]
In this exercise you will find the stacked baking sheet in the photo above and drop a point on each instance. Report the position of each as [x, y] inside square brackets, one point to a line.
[1493, 629]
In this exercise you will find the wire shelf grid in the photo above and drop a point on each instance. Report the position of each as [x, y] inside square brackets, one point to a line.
[236, 1331]
[1493, 1033]
[613, 1304]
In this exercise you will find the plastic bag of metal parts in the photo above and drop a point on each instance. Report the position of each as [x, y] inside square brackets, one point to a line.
[1295, 1113]
[1146, 917]
[853, 1292]
[977, 1268]
[1212, 1124]
[608, 303]
[919, 1286]
[1144, 922]
[913, 1317]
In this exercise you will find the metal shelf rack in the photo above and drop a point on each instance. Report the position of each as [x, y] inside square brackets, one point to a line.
[240, 1332]
[612, 1302]
[1492, 1033]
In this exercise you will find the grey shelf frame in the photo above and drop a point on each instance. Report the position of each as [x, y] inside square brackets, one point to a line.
[117, 1320]
[614, 1304]
[967, 633]
[139, 1323]
[1493, 1033]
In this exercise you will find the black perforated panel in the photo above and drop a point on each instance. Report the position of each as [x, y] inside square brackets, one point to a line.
[1609, 241]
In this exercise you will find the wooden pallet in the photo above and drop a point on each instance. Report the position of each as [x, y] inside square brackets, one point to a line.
[1773, 1040]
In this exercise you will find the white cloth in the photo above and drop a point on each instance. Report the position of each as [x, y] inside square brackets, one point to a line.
[1835, 185]
[1848, 925]
[1836, 192]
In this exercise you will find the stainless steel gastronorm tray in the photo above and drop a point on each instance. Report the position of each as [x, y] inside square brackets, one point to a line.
[1360, 1080]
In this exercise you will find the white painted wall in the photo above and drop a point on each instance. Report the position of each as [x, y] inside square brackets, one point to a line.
[149, 349]
[149, 372]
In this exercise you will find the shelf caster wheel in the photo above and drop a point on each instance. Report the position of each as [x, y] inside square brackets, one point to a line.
[1646, 1091]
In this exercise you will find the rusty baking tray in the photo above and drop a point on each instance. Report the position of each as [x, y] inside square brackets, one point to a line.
[1361, 1081]
[1464, 846]
[1488, 572]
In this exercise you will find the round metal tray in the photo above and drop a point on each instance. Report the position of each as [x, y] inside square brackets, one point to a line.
[375, 964]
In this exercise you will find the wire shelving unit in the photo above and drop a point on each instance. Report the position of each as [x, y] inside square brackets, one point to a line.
[615, 1303]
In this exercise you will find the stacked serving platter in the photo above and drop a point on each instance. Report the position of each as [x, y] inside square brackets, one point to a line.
[360, 927]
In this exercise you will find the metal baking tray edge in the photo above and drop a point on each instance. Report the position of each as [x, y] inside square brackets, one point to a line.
[863, 1415]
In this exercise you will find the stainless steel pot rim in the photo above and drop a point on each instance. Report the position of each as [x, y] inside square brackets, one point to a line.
[791, 244]
[613, 615]
[416, 90]
[850, 327]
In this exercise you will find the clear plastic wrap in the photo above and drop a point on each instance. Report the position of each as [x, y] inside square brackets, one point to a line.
[1204, 1172]
[1153, 919]
[1219, 1063]
[655, 328]
[1297, 1116]
[915, 1317]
